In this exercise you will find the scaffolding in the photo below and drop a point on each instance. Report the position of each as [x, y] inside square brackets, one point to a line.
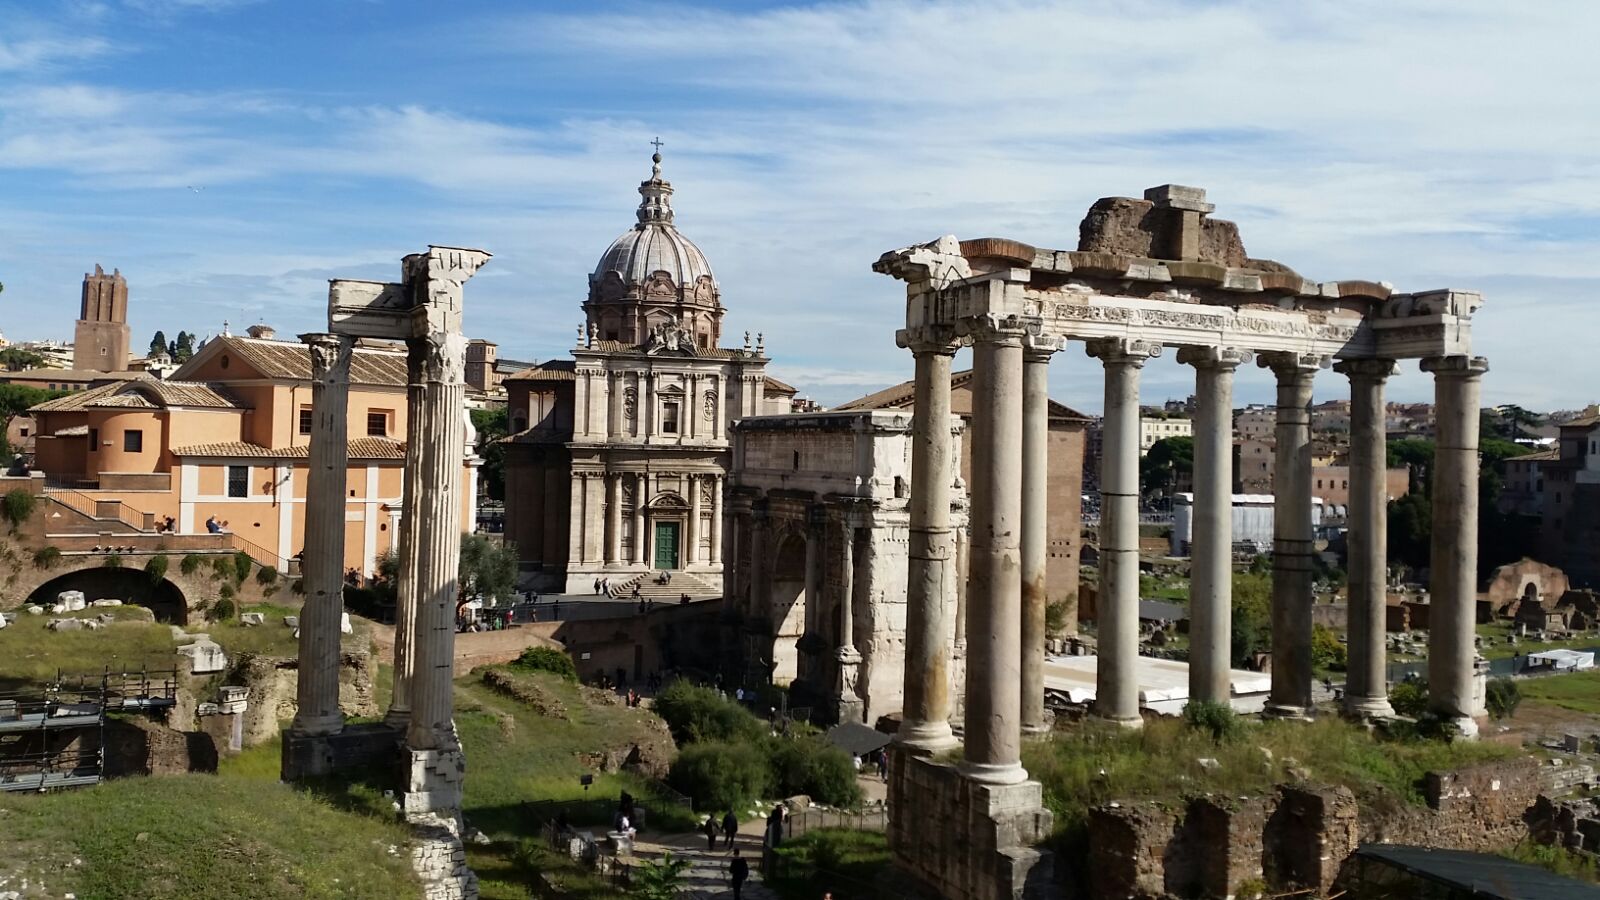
[53, 735]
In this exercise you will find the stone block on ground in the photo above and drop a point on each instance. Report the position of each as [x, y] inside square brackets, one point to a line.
[205, 657]
[344, 624]
[291, 621]
[108, 603]
[70, 601]
[252, 618]
[65, 625]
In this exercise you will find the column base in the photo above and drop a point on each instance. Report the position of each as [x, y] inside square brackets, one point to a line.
[1465, 725]
[1122, 721]
[1288, 712]
[1366, 708]
[433, 784]
[925, 738]
[372, 747]
[994, 773]
[992, 857]
[1036, 732]
[318, 726]
[397, 718]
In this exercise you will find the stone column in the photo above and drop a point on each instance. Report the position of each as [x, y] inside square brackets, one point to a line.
[926, 728]
[1035, 525]
[961, 590]
[1366, 692]
[613, 519]
[1211, 552]
[1452, 579]
[993, 739]
[691, 553]
[1292, 572]
[1116, 676]
[847, 702]
[438, 558]
[317, 691]
[716, 519]
[641, 497]
[405, 621]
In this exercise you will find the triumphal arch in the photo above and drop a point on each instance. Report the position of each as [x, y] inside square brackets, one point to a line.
[1148, 274]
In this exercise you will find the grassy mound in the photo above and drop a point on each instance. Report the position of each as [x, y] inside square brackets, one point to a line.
[202, 836]
[1579, 692]
[30, 653]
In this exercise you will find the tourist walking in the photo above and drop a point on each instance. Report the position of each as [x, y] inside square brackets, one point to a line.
[739, 871]
[710, 830]
[730, 827]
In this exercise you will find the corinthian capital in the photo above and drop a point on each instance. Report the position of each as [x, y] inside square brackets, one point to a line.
[1214, 357]
[1456, 366]
[1287, 365]
[1122, 351]
[935, 264]
[330, 356]
[939, 339]
[1368, 370]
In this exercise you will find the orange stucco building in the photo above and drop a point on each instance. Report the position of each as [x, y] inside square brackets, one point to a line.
[227, 437]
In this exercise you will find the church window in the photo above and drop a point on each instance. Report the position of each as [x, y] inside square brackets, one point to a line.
[94, 439]
[133, 441]
[377, 423]
[669, 417]
[305, 420]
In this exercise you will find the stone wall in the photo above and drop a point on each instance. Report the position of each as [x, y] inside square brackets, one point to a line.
[135, 745]
[1299, 837]
[965, 840]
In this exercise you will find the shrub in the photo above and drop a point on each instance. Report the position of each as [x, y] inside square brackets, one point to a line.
[46, 557]
[811, 766]
[222, 568]
[156, 567]
[18, 506]
[661, 879]
[695, 713]
[226, 592]
[112, 561]
[191, 563]
[241, 565]
[1410, 698]
[297, 587]
[1214, 718]
[1502, 696]
[1326, 650]
[547, 659]
[720, 775]
[223, 610]
[266, 576]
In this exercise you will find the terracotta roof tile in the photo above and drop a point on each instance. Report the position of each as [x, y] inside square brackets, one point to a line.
[291, 361]
[778, 387]
[144, 393]
[360, 448]
[554, 370]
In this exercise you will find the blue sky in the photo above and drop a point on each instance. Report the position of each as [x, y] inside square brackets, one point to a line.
[230, 156]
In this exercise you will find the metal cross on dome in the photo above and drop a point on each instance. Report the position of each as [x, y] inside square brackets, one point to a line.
[656, 143]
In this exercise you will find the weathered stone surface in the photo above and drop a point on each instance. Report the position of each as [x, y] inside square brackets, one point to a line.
[204, 657]
[1129, 227]
[1127, 850]
[139, 746]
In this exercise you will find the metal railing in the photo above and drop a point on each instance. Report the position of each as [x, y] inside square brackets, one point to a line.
[260, 554]
[92, 507]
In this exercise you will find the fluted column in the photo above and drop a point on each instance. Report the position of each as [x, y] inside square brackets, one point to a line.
[613, 518]
[1035, 525]
[1292, 534]
[641, 497]
[716, 519]
[1211, 552]
[438, 545]
[1452, 578]
[1366, 692]
[926, 727]
[691, 553]
[993, 740]
[317, 691]
[1116, 676]
[405, 616]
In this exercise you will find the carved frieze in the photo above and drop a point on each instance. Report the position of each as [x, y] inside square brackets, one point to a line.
[630, 403]
[708, 406]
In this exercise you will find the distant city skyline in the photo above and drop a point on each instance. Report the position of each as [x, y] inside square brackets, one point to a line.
[230, 156]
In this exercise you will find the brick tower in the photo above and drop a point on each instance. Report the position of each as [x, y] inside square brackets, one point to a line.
[100, 342]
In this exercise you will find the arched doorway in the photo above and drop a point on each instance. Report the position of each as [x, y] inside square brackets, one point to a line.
[788, 607]
[666, 532]
[130, 585]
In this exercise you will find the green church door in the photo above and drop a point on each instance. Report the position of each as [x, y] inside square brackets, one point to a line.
[666, 545]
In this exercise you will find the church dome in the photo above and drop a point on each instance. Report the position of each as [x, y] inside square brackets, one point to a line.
[654, 244]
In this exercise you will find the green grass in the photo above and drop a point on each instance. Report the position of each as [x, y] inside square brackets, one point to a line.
[1579, 691]
[845, 863]
[1557, 859]
[203, 836]
[29, 652]
[1096, 764]
[271, 638]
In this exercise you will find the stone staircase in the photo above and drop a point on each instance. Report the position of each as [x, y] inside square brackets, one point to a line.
[649, 589]
[707, 875]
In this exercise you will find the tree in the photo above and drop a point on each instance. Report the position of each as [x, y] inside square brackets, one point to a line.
[1168, 458]
[15, 359]
[1411, 530]
[15, 400]
[488, 568]
[1416, 454]
[492, 426]
[183, 348]
[1252, 615]
[158, 344]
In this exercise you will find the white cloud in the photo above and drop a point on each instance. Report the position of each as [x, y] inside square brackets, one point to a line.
[1426, 143]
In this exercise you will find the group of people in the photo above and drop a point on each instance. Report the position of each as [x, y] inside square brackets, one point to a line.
[213, 525]
[738, 868]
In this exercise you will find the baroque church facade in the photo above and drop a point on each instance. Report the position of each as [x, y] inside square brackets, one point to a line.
[618, 457]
